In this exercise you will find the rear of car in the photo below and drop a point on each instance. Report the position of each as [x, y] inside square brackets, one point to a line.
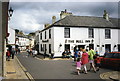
[111, 60]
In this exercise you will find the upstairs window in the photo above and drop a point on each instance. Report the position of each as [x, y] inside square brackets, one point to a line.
[41, 36]
[49, 33]
[67, 32]
[91, 33]
[107, 34]
[45, 34]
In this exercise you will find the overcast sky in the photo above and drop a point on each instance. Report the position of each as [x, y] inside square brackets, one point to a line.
[31, 16]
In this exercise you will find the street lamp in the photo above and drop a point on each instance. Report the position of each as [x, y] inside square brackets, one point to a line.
[10, 12]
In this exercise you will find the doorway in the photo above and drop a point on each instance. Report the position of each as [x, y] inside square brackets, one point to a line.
[91, 46]
[108, 47]
[67, 46]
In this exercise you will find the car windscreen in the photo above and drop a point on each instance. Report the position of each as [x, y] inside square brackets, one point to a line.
[113, 55]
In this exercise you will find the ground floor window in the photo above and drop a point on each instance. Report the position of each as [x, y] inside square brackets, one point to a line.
[45, 49]
[67, 46]
[119, 47]
[91, 46]
[41, 47]
[49, 48]
[108, 47]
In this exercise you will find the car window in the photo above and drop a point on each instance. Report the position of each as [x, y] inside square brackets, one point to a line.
[109, 55]
[113, 55]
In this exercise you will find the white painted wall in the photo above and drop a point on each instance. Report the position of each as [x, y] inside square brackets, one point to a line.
[79, 34]
[11, 38]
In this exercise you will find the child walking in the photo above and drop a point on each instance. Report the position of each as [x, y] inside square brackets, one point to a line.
[98, 63]
[78, 65]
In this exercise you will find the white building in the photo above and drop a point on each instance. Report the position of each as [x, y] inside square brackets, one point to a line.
[11, 38]
[22, 41]
[85, 32]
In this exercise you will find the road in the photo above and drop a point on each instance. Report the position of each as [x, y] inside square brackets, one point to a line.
[55, 69]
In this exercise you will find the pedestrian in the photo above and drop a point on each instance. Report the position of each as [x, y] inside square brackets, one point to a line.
[80, 53]
[31, 53]
[13, 53]
[84, 60]
[64, 54]
[8, 55]
[34, 53]
[106, 52]
[91, 54]
[98, 63]
[68, 53]
[76, 55]
[28, 51]
[78, 65]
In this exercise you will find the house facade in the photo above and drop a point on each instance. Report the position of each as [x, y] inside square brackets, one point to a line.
[11, 38]
[74, 32]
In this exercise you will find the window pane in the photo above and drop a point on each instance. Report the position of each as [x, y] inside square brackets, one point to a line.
[91, 33]
[67, 32]
[107, 33]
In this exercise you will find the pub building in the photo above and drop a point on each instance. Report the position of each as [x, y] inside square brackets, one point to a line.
[74, 32]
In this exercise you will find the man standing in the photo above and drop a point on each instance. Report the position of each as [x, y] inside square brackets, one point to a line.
[91, 53]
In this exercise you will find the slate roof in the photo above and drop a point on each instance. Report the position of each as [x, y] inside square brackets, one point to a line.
[86, 21]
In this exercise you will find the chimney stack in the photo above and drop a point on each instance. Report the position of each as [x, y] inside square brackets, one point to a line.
[105, 15]
[53, 19]
[64, 14]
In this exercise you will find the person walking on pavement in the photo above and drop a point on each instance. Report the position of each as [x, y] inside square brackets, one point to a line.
[13, 53]
[8, 55]
[84, 60]
[91, 54]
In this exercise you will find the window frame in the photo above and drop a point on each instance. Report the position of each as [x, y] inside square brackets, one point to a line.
[90, 32]
[67, 33]
[49, 33]
[107, 34]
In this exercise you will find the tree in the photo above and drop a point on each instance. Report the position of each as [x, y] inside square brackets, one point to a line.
[16, 31]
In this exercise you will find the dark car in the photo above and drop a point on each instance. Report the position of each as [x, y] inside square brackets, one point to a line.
[111, 60]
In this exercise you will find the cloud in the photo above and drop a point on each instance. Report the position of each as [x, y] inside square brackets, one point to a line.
[31, 16]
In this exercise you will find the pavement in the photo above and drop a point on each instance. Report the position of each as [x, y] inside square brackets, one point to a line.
[15, 70]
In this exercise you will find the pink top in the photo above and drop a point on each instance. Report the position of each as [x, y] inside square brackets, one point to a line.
[78, 64]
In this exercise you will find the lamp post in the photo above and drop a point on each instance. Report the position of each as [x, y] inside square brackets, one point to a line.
[10, 12]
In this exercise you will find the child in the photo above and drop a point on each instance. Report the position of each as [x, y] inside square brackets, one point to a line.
[78, 65]
[97, 60]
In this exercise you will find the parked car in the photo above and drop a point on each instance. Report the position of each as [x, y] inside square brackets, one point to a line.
[111, 60]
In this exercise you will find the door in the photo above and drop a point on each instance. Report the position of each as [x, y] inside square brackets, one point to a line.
[91, 46]
[67, 46]
[108, 47]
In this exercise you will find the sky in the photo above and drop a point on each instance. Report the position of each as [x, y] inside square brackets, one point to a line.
[31, 16]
